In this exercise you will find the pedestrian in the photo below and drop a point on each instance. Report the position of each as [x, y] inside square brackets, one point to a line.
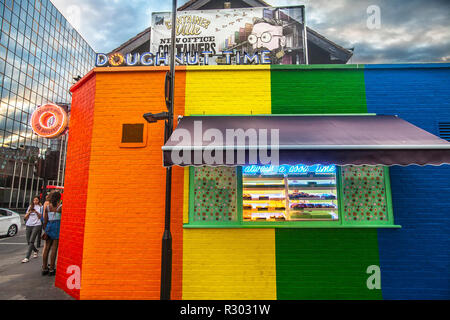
[33, 226]
[47, 201]
[52, 220]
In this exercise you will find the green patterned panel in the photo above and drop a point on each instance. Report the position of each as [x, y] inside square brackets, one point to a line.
[215, 191]
[365, 195]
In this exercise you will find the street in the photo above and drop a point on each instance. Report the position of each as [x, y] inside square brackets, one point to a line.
[23, 281]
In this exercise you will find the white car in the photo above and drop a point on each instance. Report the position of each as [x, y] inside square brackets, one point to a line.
[10, 222]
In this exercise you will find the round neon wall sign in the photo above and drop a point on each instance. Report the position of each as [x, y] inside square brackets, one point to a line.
[49, 121]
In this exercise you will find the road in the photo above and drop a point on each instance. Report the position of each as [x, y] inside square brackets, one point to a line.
[23, 281]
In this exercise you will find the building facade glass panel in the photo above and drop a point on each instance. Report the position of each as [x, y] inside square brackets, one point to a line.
[40, 54]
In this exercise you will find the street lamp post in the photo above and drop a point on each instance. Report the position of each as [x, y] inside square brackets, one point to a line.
[166, 248]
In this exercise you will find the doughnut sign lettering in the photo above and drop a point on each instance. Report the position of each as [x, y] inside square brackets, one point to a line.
[49, 121]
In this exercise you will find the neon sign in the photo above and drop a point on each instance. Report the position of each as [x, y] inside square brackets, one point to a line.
[49, 121]
[286, 169]
[203, 58]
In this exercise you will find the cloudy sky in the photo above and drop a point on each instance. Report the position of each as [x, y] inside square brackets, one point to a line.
[409, 31]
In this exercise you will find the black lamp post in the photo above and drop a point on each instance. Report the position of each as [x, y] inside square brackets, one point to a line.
[166, 249]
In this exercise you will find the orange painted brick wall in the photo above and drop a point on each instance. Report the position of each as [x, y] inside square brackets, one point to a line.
[125, 204]
[76, 182]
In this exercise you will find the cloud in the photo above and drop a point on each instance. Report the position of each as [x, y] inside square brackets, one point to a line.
[410, 31]
[106, 24]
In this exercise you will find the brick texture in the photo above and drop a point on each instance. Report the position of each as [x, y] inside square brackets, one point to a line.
[228, 263]
[325, 263]
[228, 90]
[125, 206]
[317, 91]
[415, 260]
[125, 203]
[76, 183]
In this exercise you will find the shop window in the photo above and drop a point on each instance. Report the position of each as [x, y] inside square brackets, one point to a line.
[297, 196]
[290, 193]
[133, 135]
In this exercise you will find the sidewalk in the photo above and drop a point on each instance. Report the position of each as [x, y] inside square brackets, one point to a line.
[23, 281]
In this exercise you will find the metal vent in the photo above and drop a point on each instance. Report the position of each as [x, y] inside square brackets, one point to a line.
[444, 130]
[133, 133]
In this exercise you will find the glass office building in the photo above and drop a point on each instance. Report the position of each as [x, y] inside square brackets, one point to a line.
[40, 55]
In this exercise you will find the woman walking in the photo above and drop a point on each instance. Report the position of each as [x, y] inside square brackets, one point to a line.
[52, 219]
[33, 228]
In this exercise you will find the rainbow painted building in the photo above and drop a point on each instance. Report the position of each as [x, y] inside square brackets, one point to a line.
[114, 191]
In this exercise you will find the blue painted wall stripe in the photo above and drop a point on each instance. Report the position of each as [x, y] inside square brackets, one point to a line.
[415, 260]
[408, 66]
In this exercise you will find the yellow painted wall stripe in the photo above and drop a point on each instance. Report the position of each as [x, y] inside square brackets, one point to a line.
[229, 264]
[186, 196]
[235, 90]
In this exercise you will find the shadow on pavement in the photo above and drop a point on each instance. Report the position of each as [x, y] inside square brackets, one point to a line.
[23, 281]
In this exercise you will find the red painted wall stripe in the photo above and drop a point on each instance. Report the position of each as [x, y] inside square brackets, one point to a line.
[76, 184]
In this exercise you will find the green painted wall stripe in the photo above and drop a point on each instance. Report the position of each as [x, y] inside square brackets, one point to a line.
[300, 90]
[325, 264]
[322, 263]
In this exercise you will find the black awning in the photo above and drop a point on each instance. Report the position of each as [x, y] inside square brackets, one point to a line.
[309, 140]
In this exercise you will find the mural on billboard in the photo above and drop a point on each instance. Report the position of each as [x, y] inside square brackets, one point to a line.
[233, 36]
[218, 37]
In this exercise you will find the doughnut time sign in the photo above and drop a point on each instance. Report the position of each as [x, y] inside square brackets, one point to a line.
[202, 58]
[222, 37]
[49, 121]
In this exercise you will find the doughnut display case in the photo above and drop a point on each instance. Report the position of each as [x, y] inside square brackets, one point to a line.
[264, 198]
[312, 198]
[290, 197]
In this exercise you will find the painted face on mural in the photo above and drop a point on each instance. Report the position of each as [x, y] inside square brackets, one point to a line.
[266, 36]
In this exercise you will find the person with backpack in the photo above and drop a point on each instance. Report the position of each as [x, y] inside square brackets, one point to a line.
[52, 221]
[47, 201]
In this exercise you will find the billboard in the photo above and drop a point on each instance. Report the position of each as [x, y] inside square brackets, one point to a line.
[273, 35]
